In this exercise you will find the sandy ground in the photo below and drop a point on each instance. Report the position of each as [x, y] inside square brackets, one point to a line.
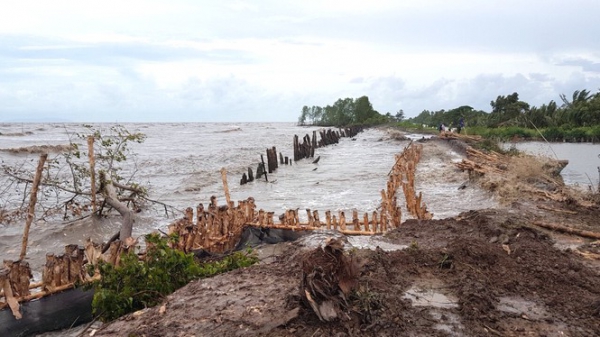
[490, 272]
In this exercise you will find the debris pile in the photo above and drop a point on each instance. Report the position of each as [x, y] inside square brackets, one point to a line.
[329, 275]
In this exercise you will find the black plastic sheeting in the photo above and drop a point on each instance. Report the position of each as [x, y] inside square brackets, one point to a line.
[254, 236]
[54, 312]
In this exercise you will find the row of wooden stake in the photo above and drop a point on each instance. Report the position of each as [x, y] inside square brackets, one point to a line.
[306, 149]
[61, 272]
[219, 228]
[403, 174]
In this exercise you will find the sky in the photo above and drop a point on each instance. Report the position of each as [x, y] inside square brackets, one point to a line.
[263, 60]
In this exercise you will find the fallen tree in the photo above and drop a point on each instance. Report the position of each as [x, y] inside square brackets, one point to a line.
[67, 183]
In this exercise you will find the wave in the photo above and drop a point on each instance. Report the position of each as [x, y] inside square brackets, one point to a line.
[16, 134]
[39, 149]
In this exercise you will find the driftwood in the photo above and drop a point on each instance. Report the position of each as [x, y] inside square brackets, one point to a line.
[569, 230]
[329, 275]
[460, 136]
[111, 198]
[480, 162]
[556, 209]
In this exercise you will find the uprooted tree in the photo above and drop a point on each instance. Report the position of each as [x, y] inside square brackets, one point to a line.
[68, 184]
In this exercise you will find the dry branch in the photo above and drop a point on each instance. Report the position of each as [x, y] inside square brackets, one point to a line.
[32, 202]
[90, 141]
[569, 230]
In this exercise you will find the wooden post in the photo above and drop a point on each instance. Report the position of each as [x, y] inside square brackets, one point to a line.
[328, 219]
[259, 171]
[264, 170]
[250, 175]
[355, 221]
[316, 217]
[65, 268]
[311, 221]
[383, 225]
[296, 148]
[225, 187]
[8, 294]
[71, 253]
[374, 222]
[384, 202]
[56, 272]
[342, 220]
[32, 201]
[48, 273]
[200, 215]
[366, 222]
[296, 218]
[90, 141]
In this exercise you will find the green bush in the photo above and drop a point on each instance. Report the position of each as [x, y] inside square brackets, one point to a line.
[576, 134]
[136, 284]
[515, 131]
[553, 134]
[593, 133]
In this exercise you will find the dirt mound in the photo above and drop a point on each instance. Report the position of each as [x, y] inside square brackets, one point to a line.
[482, 273]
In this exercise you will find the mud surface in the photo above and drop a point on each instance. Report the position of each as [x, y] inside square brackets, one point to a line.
[483, 273]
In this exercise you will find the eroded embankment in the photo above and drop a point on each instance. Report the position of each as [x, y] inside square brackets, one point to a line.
[483, 273]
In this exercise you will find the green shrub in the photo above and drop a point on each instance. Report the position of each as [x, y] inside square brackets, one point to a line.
[553, 134]
[136, 284]
[488, 144]
[593, 133]
[576, 134]
[515, 131]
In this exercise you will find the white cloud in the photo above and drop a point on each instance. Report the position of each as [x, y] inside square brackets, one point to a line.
[249, 60]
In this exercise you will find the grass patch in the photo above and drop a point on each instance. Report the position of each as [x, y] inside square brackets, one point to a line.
[137, 284]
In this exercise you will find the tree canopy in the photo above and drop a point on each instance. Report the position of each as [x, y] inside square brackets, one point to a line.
[579, 110]
[582, 109]
[343, 112]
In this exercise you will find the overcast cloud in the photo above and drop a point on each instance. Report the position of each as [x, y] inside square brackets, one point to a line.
[229, 61]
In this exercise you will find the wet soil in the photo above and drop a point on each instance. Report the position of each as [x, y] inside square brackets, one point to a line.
[482, 273]
[489, 272]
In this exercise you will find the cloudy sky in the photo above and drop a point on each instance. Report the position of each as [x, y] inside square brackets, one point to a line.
[262, 60]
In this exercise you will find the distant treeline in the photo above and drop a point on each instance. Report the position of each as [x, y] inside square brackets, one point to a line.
[577, 118]
[344, 112]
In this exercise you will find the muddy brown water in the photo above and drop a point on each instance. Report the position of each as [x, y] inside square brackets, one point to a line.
[180, 164]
